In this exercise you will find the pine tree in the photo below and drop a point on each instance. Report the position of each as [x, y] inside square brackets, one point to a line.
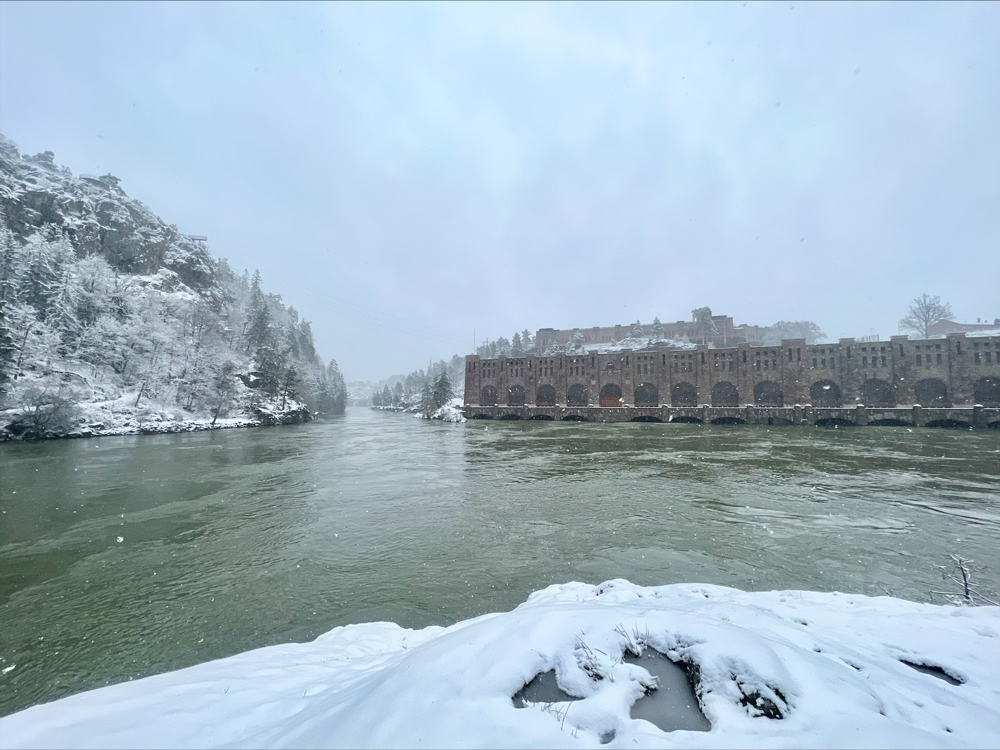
[516, 348]
[41, 281]
[259, 334]
[10, 261]
[657, 330]
[289, 385]
[427, 405]
[442, 390]
[8, 350]
[271, 366]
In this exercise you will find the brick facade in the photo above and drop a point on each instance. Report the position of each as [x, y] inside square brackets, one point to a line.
[955, 370]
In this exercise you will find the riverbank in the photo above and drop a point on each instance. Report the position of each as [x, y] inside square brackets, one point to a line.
[766, 669]
[453, 411]
[113, 418]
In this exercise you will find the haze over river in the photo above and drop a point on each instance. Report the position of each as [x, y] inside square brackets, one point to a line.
[124, 557]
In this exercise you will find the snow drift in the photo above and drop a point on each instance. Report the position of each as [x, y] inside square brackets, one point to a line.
[775, 669]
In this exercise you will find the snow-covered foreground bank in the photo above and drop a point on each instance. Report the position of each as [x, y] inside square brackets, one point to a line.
[832, 666]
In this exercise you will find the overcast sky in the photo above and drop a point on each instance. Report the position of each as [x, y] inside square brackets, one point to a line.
[409, 176]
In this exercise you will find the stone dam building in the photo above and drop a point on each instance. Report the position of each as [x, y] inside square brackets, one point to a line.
[952, 381]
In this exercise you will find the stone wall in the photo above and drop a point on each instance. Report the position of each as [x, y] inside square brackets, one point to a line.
[952, 371]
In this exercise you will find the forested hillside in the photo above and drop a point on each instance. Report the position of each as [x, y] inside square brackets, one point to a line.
[112, 321]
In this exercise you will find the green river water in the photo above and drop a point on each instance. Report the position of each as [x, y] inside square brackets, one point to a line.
[236, 539]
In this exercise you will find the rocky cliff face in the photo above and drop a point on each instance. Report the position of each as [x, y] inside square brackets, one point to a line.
[97, 217]
[112, 321]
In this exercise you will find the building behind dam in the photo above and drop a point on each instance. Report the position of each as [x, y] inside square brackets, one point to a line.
[956, 370]
[725, 333]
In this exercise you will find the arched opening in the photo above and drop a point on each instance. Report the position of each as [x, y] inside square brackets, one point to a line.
[577, 396]
[685, 420]
[647, 394]
[767, 393]
[890, 423]
[481, 416]
[489, 396]
[724, 393]
[825, 393]
[987, 391]
[728, 420]
[949, 424]
[542, 417]
[515, 396]
[546, 396]
[510, 417]
[647, 419]
[877, 393]
[683, 394]
[931, 392]
[834, 422]
[574, 418]
[611, 395]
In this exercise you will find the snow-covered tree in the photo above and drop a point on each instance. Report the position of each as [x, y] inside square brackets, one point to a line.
[704, 325]
[442, 390]
[527, 342]
[656, 332]
[793, 329]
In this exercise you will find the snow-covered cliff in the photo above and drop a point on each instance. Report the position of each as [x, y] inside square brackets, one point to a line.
[112, 321]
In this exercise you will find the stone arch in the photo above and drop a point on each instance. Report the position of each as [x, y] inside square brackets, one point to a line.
[825, 393]
[489, 396]
[683, 394]
[546, 396]
[767, 393]
[987, 391]
[576, 396]
[647, 394]
[931, 392]
[724, 393]
[515, 396]
[611, 395]
[877, 393]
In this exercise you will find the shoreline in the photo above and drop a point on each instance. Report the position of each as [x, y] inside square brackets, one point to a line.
[262, 419]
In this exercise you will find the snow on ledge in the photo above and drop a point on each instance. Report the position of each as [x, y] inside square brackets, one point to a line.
[832, 663]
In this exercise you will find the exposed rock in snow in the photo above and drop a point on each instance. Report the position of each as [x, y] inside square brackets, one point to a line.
[774, 669]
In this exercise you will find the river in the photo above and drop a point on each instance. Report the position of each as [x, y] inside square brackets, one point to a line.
[128, 556]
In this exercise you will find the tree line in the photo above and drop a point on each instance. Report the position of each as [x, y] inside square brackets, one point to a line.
[74, 329]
